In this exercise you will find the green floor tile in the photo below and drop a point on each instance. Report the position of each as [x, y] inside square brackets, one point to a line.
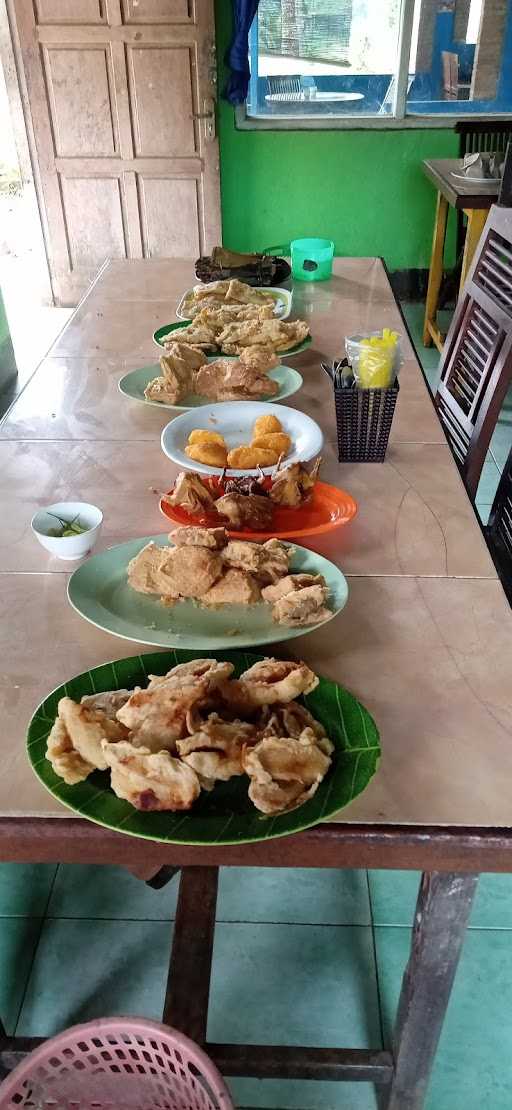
[394, 893]
[501, 440]
[110, 892]
[87, 969]
[18, 942]
[297, 896]
[294, 984]
[297, 1094]
[25, 888]
[473, 1068]
[489, 479]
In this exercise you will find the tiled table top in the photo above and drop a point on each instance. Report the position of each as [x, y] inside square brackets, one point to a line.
[426, 635]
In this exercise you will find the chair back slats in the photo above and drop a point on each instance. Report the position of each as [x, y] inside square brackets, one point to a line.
[476, 364]
[483, 137]
[499, 529]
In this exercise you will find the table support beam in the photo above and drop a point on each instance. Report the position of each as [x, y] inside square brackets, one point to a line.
[188, 984]
[442, 913]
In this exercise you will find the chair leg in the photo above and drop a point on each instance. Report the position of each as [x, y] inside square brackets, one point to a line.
[162, 877]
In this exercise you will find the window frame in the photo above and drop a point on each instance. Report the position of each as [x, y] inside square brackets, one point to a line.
[398, 118]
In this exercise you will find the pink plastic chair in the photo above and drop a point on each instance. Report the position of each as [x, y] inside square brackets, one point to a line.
[116, 1064]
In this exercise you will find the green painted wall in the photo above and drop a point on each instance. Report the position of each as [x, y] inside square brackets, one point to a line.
[364, 189]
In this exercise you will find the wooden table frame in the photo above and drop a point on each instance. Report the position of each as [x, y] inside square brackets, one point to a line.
[450, 859]
[475, 207]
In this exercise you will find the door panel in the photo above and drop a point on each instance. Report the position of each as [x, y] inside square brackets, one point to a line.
[70, 11]
[80, 92]
[161, 79]
[125, 169]
[169, 208]
[156, 11]
[94, 219]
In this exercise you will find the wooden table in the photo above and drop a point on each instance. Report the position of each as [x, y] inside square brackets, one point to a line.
[474, 200]
[425, 641]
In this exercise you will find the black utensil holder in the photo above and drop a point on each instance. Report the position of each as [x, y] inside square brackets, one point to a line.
[363, 422]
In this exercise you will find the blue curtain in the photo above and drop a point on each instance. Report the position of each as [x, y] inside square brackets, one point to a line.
[237, 56]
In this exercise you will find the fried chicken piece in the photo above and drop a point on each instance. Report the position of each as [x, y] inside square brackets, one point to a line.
[262, 359]
[182, 356]
[229, 380]
[66, 762]
[150, 780]
[191, 536]
[289, 584]
[109, 701]
[191, 494]
[246, 457]
[275, 561]
[291, 720]
[243, 511]
[302, 607]
[293, 485]
[86, 729]
[234, 587]
[243, 554]
[145, 574]
[191, 571]
[215, 750]
[164, 390]
[157, 716]
[284, 772]
[195, 335]
[268, 682]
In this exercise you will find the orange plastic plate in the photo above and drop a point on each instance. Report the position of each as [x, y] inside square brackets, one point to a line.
[328, 509]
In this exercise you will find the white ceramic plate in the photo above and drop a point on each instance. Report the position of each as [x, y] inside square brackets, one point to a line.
[282, 297]
[475, 180]
[235, 420]
[134, 384]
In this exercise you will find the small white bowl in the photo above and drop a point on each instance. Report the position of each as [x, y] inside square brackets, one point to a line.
[68, 547]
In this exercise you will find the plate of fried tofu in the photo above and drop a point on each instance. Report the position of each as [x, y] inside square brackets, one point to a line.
[200, 589]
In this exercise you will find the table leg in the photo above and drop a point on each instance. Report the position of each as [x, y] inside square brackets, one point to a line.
[188, 984]
[442, 912]
[477, 218]
[436, 270]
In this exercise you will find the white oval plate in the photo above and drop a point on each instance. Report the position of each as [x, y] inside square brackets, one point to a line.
[282, 297]
[134, 384]
[235, 420]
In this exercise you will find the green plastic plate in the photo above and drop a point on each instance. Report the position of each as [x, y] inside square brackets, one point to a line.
[166, 328]
[99, 591]
[134, 384]
[226, 815]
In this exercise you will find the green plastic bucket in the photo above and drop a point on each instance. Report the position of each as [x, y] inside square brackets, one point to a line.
[312, 259]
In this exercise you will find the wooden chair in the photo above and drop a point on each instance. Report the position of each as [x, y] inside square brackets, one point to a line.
[476, 363]
[499, 528]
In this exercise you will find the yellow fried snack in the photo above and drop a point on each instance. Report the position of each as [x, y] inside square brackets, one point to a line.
[202, 435]
[212, 454]
[265, 424]
[273, 441]
[248, 457]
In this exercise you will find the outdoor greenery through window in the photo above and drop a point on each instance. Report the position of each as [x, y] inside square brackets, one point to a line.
[380, 58]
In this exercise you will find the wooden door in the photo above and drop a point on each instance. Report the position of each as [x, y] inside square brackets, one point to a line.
[119, 98]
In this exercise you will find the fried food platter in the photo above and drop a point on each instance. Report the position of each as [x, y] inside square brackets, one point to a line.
[167, 329]
[133, 384]
[328, 508]
[100, 592]
[225, 814]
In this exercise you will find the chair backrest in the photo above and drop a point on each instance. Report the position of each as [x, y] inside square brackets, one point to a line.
[499, 529]
[480, 136]
[289, 88]
[450, 64]
[476, 364]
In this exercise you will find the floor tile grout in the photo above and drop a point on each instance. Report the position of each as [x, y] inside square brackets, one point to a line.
[36, 949]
